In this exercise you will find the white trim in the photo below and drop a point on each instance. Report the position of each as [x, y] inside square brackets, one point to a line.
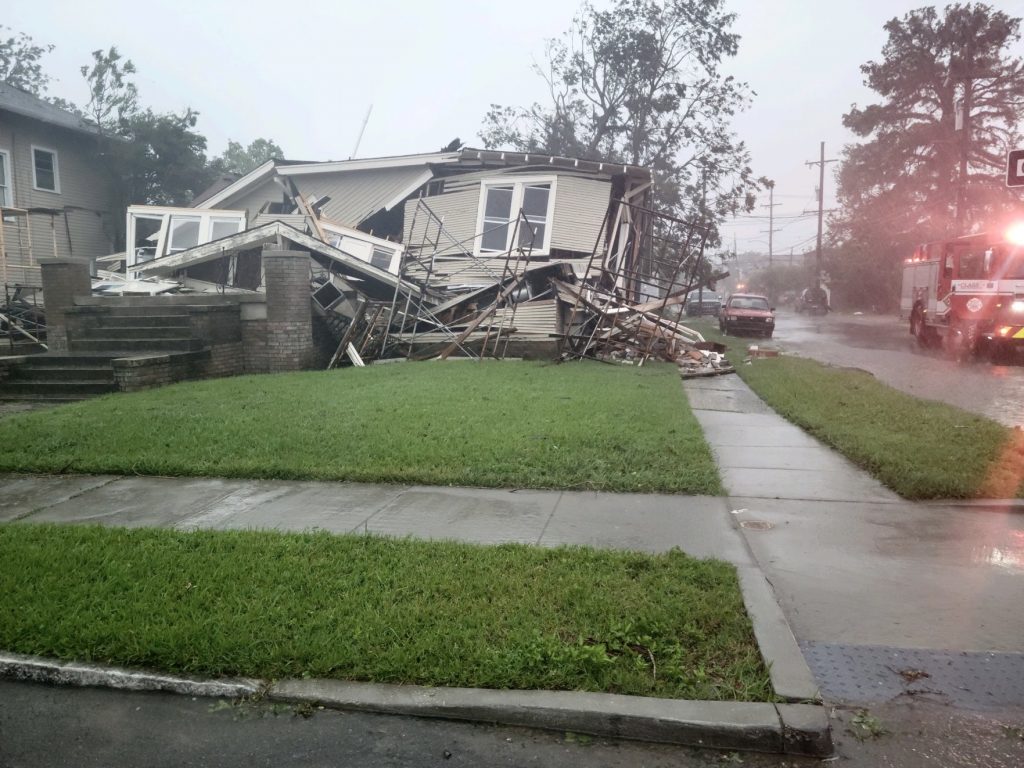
[240, 185]
[205, 216]
[518, 183]
[370, 164]
[8, 177]
[56, 169]
[422, 179]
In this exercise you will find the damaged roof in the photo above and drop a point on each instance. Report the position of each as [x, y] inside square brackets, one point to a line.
[25, 104]
[420, 167]
[375, 282]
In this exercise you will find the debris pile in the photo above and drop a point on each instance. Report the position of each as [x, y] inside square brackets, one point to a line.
[376, 299]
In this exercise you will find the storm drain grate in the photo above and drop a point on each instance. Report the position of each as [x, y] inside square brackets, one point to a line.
[863, 674]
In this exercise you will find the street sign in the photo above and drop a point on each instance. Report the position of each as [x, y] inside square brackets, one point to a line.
[1015, 168]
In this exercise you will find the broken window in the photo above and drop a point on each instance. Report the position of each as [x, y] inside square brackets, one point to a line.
[144, 239]
[44, 170]
[501, 204]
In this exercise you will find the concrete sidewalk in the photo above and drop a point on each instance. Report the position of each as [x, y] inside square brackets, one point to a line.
[698, 525]
[872, 584]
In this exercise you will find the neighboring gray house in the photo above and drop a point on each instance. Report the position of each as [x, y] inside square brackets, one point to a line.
[53, 187]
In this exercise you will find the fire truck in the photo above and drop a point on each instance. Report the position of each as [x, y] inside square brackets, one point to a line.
[966, 295]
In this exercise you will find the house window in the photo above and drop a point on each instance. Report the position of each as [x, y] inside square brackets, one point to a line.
[501, 203]
[184, 233]
[6, 191]
[223, 228]
[45, 174]
[381, 258]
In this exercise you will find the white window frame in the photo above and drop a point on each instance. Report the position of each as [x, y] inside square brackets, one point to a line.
[33, 148]
[361, 245]
[206, 218]
[5, 158]
[518, 184]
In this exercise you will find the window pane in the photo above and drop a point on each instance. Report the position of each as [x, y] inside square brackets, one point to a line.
[537, 229]
[147, 230]
[499, 203]
[44, 165]
[184, 233]
[495, 237]
[535, 201]
[381, 257]
[223, 227]
[5, 195]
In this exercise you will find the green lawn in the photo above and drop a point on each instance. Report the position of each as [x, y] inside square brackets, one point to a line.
[921, 449]
[499, 424]
[274, 605]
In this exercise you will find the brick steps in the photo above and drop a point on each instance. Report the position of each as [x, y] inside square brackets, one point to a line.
[129, 347]
[140, 332]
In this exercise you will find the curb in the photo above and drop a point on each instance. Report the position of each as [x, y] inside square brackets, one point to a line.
[35, 669]
[791, 677]
[799, 729]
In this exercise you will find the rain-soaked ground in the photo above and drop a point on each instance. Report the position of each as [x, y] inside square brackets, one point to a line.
[882, 345]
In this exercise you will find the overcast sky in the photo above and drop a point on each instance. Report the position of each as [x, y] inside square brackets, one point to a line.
[305, 73]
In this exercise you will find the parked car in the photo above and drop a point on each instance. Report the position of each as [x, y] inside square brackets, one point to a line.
[703, 303]
[747, 314]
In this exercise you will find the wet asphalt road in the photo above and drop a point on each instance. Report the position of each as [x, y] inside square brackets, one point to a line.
[882, 345]
[45, 726]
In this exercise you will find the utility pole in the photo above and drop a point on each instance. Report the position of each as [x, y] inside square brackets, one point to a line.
[771, 218]
[963, 124]
[821, 209]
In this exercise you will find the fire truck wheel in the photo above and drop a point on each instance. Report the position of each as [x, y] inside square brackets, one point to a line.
[962, 341]
[919, 330]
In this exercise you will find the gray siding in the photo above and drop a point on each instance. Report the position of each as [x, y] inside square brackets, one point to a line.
[85, 196]
[357, 195]
[580, 206]
[458, 206]
[254, 200]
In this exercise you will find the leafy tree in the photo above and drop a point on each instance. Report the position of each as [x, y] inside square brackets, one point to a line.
[901, 185]
[240, 160]
[20, 62]
[113, 97]
[640, 83]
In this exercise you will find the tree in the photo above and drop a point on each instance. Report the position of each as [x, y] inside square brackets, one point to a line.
[640, 83]
[152, 158]
[916, 174]
[19, 63]
[113, 97]
[240, 160]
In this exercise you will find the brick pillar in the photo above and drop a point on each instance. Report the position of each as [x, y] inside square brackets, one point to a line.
[63, 279]
[286, 275]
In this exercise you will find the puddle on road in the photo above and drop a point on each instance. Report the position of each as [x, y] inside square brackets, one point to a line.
[1009, 557]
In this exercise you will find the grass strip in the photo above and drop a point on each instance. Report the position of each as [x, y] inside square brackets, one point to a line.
[922, 449]
[494, 424]
[275, 605]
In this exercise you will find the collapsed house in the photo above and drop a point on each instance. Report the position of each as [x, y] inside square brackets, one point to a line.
[470, 252]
